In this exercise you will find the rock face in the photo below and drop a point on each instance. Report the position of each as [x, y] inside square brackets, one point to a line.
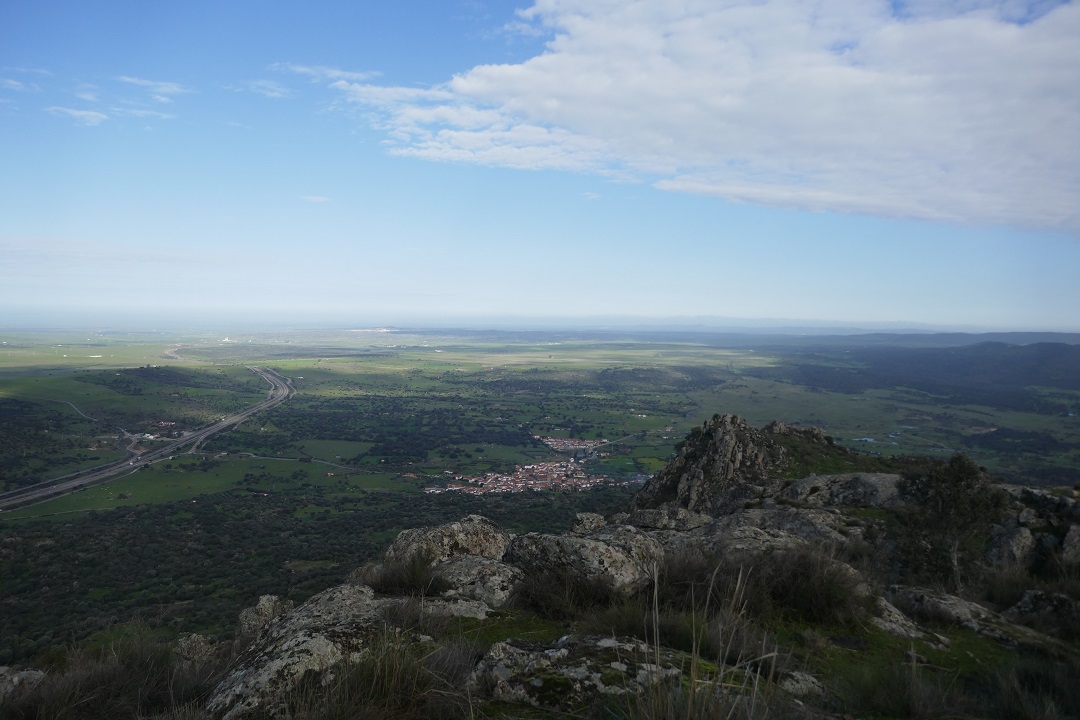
[472, 535]
[620, 556]
[721, 466]
[724, 465]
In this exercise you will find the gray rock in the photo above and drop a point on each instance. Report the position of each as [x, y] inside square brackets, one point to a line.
[195, 650]
[1010, 546]
[847, 490]
[1070, 547]
[477, 578]
[894, 622]
[930, 606]
[1050, 612]
[570, 674]
[327, 628]
[801, 685]
[620, 556]
[811, 525]
[723, 465]
[1028, 517]
[587, 522]
[472, 535]
[254, 620]
[668, 517]
[14, 683]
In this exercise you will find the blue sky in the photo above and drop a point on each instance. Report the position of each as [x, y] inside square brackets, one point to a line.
[840, 161]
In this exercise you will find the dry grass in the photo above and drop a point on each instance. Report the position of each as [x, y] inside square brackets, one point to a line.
[130, 677]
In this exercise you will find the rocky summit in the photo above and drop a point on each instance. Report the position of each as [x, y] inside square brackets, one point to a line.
[727, 588]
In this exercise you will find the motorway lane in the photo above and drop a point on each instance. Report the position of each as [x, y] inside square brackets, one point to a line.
[280, 390]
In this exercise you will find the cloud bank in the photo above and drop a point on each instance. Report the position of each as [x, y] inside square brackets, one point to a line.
[965, 111]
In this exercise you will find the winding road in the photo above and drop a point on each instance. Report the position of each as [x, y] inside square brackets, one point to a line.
[281, 389]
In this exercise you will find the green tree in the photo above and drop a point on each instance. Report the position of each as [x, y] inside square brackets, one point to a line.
[953, 507]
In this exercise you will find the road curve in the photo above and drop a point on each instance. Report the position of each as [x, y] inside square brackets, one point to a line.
[281, 389]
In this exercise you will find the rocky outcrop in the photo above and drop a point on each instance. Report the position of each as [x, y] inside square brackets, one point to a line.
[721, 466]
[472, 535]
[724, 496]
[622, 557]
[933, 607]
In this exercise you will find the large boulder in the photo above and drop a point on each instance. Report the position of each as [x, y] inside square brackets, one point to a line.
[1052, 613]
[667, 517]
[15, 683]
[1010, 546]
[1070, 547]
[479, 578]
[619, 556]
[811, 525]
[472, 535]
[571, 674]
[310, 639]
[924, 605]
[847, 490]
[254, 620]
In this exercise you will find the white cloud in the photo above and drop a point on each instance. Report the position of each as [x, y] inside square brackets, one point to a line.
[316, 199]
[85, 117]
[9, 84]
[160, 90]
[87, 92]
[140, 113]
[323, 72]
[966, 110]
[270, 89]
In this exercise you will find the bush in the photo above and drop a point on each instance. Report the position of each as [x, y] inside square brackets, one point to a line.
[390, 681]
[129, 677]
[413, 576]
[953, 507]
[559, 594]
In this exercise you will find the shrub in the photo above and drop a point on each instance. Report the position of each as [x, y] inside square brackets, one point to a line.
[129, 677]
[390, 680]
[953, 507]
[559, 594]
[412, 576]
[1036, 689]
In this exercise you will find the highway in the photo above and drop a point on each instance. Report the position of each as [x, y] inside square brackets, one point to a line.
[281, 389]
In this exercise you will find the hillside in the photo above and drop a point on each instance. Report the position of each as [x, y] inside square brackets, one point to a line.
[733, 586]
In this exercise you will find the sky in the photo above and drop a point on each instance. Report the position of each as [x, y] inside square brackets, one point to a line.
[860, 162]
